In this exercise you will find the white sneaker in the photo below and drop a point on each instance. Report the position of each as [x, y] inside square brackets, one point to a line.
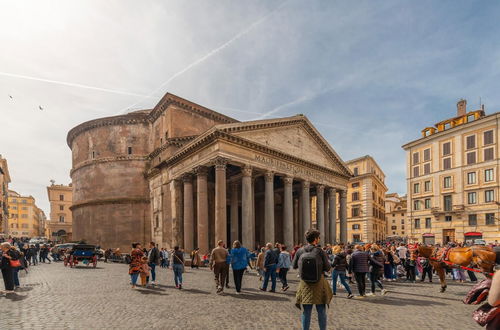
[384, 292]
[369, 294]
[153, 283]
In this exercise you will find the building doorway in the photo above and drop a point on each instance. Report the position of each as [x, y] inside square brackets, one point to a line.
[448, 236]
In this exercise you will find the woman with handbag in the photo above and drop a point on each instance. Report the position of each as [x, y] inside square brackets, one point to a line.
[7, 265]
[178, 266]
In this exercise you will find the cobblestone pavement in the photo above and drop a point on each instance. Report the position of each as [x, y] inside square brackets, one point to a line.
[55, 297]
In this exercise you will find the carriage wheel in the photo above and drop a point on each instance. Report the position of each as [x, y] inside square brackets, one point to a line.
[94, 261]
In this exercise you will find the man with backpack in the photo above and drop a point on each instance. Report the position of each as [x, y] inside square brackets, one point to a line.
[313, 288]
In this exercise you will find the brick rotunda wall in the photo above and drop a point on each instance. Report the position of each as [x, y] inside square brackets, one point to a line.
[110, 193]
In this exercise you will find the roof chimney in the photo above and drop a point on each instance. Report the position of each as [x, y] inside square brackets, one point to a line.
[461, 107]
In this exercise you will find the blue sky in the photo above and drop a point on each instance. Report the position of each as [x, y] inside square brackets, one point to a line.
[369, 74]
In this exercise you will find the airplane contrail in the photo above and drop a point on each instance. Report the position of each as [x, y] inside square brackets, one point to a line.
[65, 83]
[212, 52]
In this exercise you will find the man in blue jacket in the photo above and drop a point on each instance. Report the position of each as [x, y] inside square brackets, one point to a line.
[284, 264]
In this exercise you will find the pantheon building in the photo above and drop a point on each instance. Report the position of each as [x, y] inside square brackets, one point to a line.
[182, 174]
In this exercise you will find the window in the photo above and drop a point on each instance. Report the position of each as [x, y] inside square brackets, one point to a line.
[471, 157]
[447, 202]
[415, 158]
[24, 201]
[416, 188]
[355, 184]
[394, 227]
[393, 221]
[488, 175]
[490, 218]
[24, 216]
[472, 219]
[427, 186]
[129, 150]
[471, 142]
[471, 177]
[93, 154]
[24, 225]
[427, 203]
[427, 168]
[355, 212]
[402, 221]
[447, 163]
[415, 171]
[61, 207]
[447, 182]
[472, 198]
[403, 232]
[427, 222]
[416, 205]
[355, 171]
[417, 223]
[157, 221]
[24, 208]
[355, 196]
[488, 137]
[356, 226]
[446, 149]
[447, 218]
[356, 238]
[489, 196]
[61, 197]
[427, 155]
[61, 218]
[488, 154]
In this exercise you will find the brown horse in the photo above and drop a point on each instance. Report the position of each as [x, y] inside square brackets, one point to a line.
[480, 256]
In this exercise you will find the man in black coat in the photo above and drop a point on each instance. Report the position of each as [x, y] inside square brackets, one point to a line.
[153, 260]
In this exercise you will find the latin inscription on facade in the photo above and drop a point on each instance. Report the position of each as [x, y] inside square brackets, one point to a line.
[289, 168]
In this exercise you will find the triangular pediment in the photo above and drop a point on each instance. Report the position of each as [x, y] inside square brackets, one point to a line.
[294, 136]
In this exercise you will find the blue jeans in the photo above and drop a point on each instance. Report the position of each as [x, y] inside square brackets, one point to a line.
[306, 316]
[16, 276]
[153, 271]
[134, 277]
[177, 274]
[336, 274]
[270, 272]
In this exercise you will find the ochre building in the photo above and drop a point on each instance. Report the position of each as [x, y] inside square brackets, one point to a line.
[365, 201]
[453, 181]
[59, 226]
[25, 217]
[395, 214]
[182, 174]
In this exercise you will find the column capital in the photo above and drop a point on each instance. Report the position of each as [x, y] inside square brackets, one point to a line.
[187, 178]
[343, 194]
[220, 162]
[269, 176]
[306, 184]
[287, 180]
[332, 191]
[320, 188]
[246, 170]
[200, 170]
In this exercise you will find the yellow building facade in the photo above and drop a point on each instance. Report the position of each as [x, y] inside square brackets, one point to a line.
[365, 201]
[452, 179]
[395, 214]
[59, 225]
[24, 216]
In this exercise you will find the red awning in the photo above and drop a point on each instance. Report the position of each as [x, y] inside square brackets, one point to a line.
[473, 233]
[428, 235]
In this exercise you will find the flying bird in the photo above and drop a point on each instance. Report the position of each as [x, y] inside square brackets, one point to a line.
[11, 96]
[40, 107]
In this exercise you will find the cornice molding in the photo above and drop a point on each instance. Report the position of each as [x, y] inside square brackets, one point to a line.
[175, 141]
[105, 201]
[170, 99]
[106, 160]
[127, 119]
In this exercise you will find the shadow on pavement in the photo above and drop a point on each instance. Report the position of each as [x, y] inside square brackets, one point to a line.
[14, 297]
[146, 291]
[401, 301]
[251, 296]
[195, 291]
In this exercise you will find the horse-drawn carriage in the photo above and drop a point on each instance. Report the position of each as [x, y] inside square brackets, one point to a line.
[84, 253]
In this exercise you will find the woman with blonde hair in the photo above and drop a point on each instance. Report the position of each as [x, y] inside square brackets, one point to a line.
[339, 266]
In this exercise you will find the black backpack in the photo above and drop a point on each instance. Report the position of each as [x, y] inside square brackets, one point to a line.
[310, 271]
